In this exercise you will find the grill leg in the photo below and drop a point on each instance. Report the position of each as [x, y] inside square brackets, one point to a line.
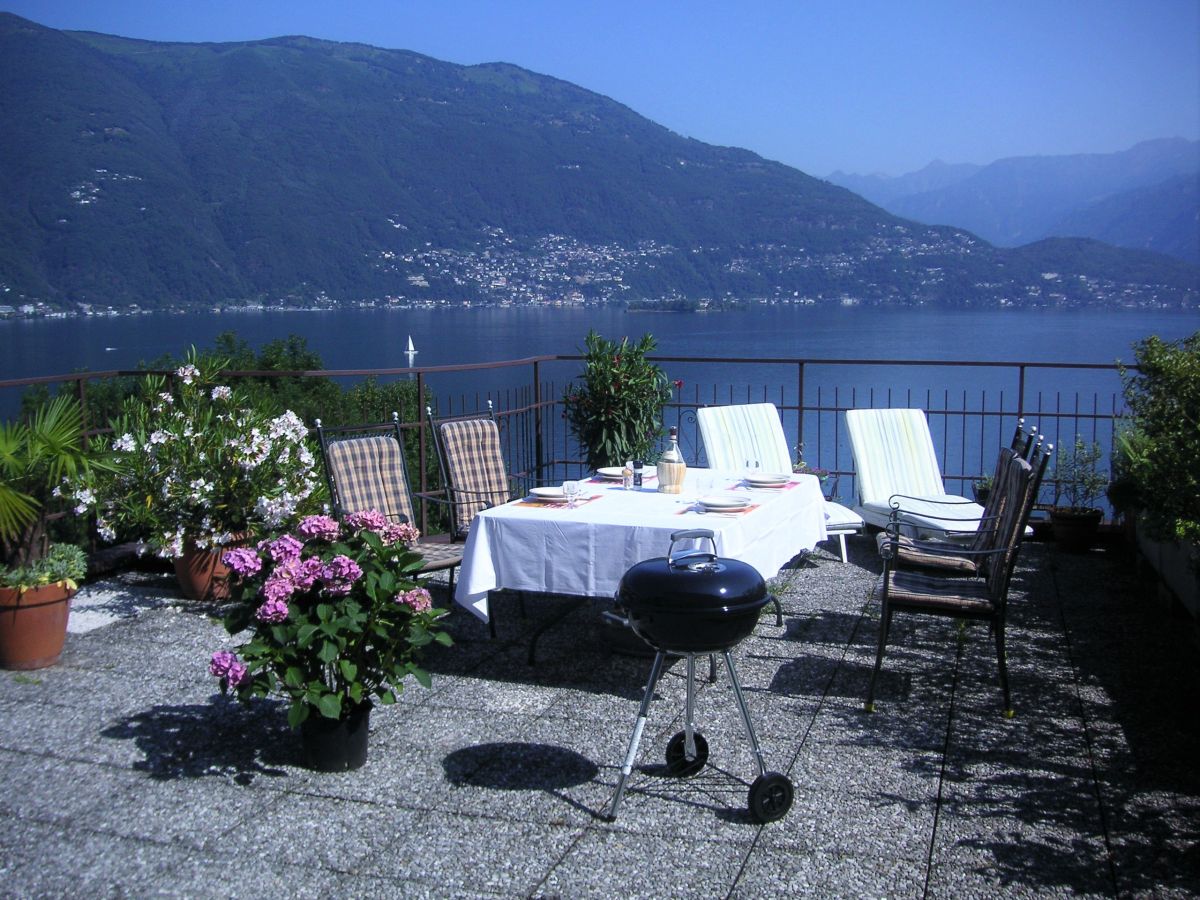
[745, 711]
[636, 737]
[689, 728]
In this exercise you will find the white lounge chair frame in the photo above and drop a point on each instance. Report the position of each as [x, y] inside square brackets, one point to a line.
[734, 434]
[895, 463]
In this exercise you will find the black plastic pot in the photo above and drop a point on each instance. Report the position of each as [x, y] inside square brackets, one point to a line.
[336, 745]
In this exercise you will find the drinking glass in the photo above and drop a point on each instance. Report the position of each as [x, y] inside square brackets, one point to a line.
[570, 491]
[752, 467]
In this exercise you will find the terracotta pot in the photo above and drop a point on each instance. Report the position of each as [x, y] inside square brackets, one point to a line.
[1075, 529]
[202, 575]
[337, 745]
[33, 625]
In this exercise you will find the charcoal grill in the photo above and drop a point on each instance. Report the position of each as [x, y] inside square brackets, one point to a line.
[691, 603]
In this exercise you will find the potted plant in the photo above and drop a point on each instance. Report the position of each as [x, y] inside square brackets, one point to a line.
[822, 475]
[37, 578]
[335, 622]
[1074, 517]
[615, 410]
[1161, 470]
[197, 467]
[981, 488]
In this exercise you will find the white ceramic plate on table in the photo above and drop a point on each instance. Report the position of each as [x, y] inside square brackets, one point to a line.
[612, 473]
[719, 503]
[548, 494]
[767, 480]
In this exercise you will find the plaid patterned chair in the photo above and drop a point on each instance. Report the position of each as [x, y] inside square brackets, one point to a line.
[955, 558]
[365, 469]
[986, 598]
[472, 465]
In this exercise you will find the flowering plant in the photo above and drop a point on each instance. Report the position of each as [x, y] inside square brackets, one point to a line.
[198, 464]
[803, 468]
[334, 614]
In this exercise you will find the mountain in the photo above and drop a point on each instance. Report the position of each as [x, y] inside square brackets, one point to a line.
[1021, 199]
[310, 172]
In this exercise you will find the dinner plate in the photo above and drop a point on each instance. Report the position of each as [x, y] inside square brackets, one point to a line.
[767, 480]
[612, 473]
[724, 503]
[548, 494]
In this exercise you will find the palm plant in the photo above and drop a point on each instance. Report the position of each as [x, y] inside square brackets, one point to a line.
[35, 456]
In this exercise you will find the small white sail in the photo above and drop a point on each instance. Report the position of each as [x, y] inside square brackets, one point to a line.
[411, 347]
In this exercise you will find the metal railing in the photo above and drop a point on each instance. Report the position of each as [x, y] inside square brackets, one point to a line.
[972, 406]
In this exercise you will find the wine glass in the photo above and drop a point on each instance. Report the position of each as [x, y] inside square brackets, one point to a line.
[571, 492]
[751, 471]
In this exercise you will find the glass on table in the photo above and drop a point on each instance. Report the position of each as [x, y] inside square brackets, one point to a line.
[751, 470]
[571, 492]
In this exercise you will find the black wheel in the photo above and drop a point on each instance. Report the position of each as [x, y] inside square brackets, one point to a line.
[770, 797]
[677, 762]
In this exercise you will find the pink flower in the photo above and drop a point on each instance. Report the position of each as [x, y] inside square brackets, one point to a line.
[323, 527]
[243, 561]
[341, 568]
[418, 599]
[307, 573]
[371, 520]
[282, 548]
[278, 588]
[226, 666]
[237, 674]
[402, 533]
[272, 611]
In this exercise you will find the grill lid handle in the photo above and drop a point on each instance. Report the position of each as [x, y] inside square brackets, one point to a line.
[688, 535]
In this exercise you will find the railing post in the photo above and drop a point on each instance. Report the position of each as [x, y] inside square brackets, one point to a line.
[538, 453]
[422, 471]
[1021, 391]
[800, 403]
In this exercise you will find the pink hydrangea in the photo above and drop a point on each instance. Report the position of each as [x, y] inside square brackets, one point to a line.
[278, 587]
[282, 548]
[307, 573]
[324, 528]
[226, 666]
[369, 520]
[272, 611]
[341, 568]
[418, 599]
[243, 561]
[402, 533]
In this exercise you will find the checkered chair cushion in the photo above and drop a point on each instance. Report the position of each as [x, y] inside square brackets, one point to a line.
[474, 468]
[368, 473]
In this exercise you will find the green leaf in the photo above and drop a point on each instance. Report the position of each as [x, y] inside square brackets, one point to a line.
[328, 652]
[421, 675]
[349, 670]
[330, 706]
[304, 636]
[297, 714]
[293, 677]
[444, 639]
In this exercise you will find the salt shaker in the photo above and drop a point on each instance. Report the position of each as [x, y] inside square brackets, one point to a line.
[637, 474]
[627, 476]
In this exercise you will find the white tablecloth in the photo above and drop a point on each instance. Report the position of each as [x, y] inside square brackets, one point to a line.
[584, 551]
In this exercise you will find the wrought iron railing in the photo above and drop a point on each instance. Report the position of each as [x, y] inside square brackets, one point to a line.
[972, 406]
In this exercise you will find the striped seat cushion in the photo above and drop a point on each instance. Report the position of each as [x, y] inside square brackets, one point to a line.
[910, 554]
[918, 590]
[368, 473]
[474, 467]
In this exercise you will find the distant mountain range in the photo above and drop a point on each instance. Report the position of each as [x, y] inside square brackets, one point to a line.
[308, 172]
[1147, 197]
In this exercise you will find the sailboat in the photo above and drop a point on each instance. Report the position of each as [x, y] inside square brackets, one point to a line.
[411, 347]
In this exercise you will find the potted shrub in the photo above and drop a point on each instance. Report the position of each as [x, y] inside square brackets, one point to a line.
[615, 409]
[37, 578]
[199, 467]
[1074, 518]
[335, 622]
[1162, 472]
[981, 488]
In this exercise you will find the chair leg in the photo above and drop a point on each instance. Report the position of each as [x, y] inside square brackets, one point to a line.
[885, 624]
[1008, 711]
[778, 611]
[842, 543]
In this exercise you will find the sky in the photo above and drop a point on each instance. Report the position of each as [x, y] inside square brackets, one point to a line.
[822, 85]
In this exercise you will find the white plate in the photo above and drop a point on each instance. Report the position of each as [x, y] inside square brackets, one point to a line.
[548, 494]
[724, 503]
[768, 480]
[612, 473]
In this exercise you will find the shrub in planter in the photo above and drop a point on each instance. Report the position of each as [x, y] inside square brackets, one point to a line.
[1074, 517]
[615, 409]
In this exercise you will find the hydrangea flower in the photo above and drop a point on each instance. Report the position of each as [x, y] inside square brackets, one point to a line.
[226, 666]
[418, 599]
[399, 532]
[323, 528]
[272, 610]
[283, 548]
[243, 561]
[370, 519]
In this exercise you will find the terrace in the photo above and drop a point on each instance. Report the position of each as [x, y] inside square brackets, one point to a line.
[129, 775]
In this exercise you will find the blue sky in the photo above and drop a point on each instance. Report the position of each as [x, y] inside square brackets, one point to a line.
[817, 84]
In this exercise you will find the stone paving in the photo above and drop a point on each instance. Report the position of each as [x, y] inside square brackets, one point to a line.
[127, 775]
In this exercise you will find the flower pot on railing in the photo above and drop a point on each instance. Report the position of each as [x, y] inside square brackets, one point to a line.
[33, 625]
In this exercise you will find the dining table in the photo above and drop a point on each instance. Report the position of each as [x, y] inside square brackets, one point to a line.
[541, 543]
